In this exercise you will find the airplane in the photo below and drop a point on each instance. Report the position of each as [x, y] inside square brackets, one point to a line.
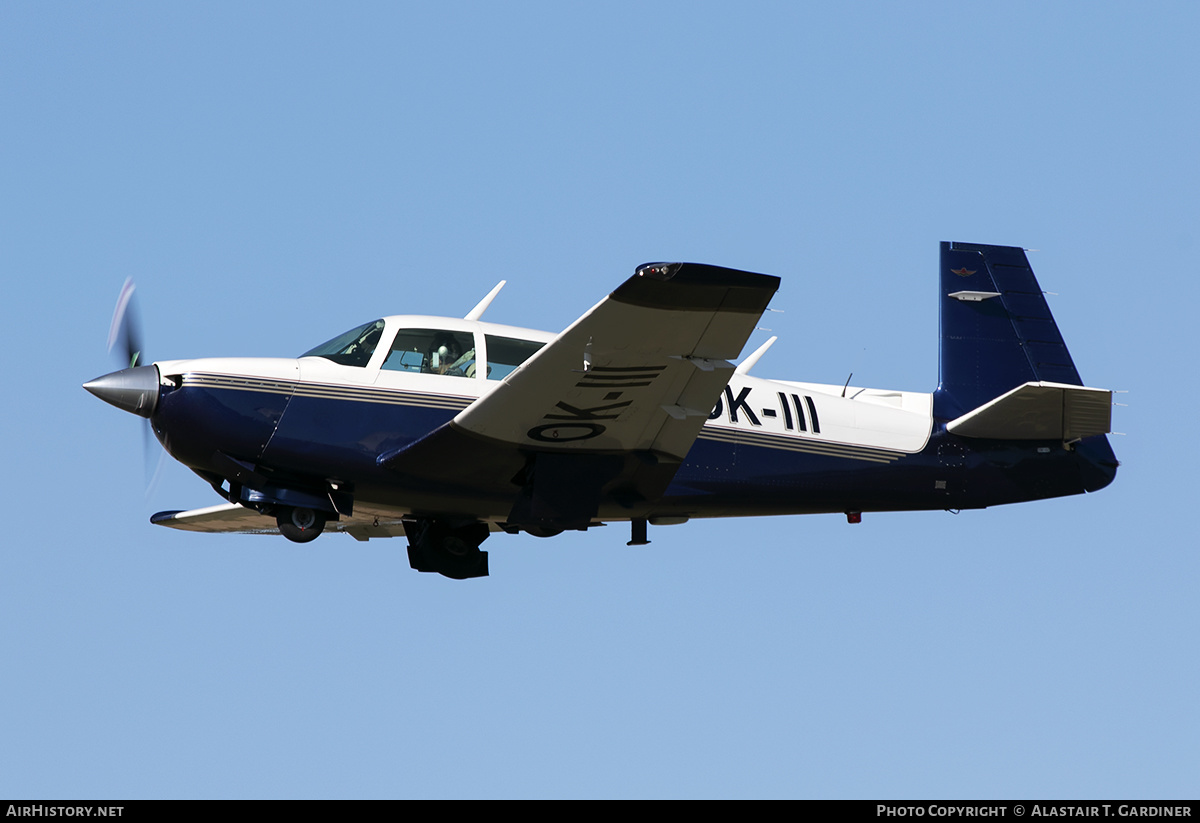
[446, 430]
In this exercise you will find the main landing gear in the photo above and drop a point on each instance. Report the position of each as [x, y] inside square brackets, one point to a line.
[449, 549]
[300, 525]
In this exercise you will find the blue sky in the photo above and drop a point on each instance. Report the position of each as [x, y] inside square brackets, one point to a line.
[272, 174]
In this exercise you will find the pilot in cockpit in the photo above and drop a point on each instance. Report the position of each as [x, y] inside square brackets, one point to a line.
[446, 357]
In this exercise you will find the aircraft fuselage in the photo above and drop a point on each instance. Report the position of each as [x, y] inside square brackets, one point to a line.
[768, 447]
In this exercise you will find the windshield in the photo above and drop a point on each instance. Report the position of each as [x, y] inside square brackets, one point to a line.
[353, 348]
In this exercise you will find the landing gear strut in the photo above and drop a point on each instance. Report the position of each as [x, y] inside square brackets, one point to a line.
[300, 525]
[452, 551]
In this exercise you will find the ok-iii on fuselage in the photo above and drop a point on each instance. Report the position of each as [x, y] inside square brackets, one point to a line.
[445, 430]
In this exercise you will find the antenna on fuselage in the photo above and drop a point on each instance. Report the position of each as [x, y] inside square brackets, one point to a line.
[749, 362]
[481, 307]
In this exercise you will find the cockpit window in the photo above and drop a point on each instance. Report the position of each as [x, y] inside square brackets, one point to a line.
[354, 348]
[504, 354]
[433, 351]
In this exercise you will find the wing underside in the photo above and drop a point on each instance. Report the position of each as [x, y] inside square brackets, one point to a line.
[232, 518]
[605, 413]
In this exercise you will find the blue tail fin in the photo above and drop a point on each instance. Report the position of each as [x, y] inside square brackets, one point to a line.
[996, 329]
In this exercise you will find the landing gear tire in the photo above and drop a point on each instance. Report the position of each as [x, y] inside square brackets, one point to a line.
[538, 531]
[300, 525]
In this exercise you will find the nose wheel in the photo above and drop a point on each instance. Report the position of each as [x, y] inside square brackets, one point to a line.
[300, 525]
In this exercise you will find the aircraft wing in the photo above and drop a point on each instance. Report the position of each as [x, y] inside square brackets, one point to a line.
[609, 408]
[228, 518]
[232, 518]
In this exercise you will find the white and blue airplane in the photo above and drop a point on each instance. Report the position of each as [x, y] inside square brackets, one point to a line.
[445, 430]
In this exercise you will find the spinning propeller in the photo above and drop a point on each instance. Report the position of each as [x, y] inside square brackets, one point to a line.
[135, 387]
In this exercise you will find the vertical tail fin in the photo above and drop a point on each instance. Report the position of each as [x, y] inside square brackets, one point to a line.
[997, 331]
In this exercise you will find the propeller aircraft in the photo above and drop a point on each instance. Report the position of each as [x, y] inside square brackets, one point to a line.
[447, 430]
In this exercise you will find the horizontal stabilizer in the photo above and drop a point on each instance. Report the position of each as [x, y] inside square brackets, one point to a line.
[1039, 411]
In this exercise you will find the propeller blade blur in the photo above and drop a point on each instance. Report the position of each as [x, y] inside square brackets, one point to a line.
[124, 329]
[135, 388]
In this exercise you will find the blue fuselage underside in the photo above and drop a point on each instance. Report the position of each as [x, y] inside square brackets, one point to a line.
[316, 439]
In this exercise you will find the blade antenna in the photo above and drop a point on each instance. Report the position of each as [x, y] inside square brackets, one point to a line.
[749, 362]
[481, 307]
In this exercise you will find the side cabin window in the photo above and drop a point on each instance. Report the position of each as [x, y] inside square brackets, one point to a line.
[433, 351]
[353, 348]
[504, 354]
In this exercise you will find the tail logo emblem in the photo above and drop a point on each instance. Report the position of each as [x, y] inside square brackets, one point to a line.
[963, 272]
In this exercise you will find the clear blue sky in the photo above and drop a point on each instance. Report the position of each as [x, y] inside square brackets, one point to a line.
[274, 173]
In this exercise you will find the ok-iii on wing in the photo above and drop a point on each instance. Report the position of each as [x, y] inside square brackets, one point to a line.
[598, 421]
